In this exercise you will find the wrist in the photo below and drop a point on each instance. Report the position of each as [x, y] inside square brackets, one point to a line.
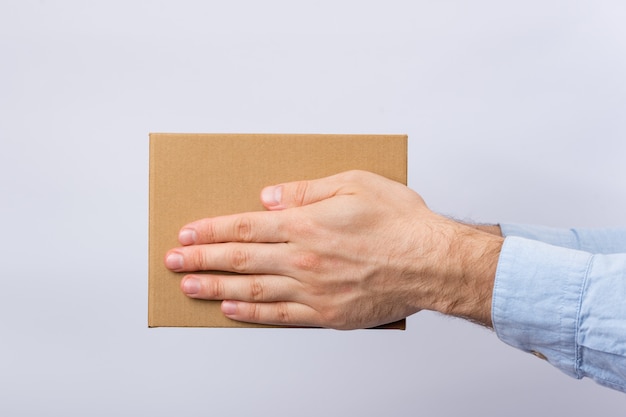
[471, 259]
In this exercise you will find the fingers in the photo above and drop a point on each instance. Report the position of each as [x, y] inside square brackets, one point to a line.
[280, 313]
[245, 227]
[259, 298]
[301, 193]
[250, 288]
[271, 227]
[243, 258]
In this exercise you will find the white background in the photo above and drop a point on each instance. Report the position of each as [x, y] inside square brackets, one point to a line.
[515, 112]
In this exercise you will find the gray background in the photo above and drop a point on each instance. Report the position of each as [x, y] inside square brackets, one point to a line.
[515, 112]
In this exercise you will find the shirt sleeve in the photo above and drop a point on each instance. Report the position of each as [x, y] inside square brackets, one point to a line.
[564, 305]
[611, 240]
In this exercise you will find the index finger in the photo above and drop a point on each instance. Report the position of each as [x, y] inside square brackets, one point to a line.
[258, 227]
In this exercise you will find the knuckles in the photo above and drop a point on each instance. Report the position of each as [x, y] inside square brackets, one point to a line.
[257, 290]
[242, 230]
[300, 192]
[307, 262]
[215, 289]
[209, 231]
[282, 313]
[196, 259]
[359, 177]
[254, 312]
[239, 260]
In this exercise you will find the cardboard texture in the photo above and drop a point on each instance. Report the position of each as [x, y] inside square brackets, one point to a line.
[193, 176]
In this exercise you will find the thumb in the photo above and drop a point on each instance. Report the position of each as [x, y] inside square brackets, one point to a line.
[299, 193]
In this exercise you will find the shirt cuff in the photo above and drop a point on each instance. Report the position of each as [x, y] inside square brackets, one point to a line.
[554, 236]
[536, 299]
[598, 240]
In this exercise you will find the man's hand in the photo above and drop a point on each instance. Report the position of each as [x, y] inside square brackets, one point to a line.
[352, 250]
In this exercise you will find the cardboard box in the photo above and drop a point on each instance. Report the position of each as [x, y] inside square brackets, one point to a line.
[193, 176]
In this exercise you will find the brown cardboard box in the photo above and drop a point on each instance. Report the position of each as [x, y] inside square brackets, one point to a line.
[193, 176]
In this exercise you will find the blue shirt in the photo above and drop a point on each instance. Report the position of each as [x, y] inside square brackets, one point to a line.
[561, 295]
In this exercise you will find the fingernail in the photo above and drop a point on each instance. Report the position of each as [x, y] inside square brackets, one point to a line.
[187, 236]
[271, 196]
[191, 285]
[229, 307]
[174, 261]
